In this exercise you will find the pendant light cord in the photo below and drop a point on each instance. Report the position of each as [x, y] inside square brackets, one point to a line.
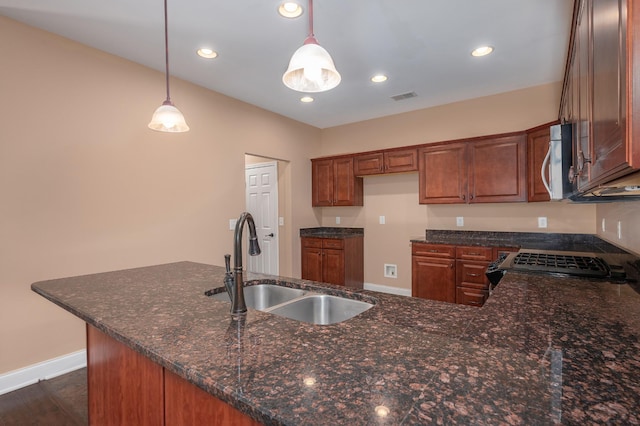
[311, 19]
[166, 51]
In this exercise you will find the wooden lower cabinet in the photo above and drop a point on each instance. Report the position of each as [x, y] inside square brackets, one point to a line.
[127, 388]
[337, 261]
[434, 279]
[433, 273]
[454, 274]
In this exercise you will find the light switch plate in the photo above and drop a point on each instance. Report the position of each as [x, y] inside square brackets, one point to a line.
[337, 220]
[459, 221]
[232, 224]
[383, 220]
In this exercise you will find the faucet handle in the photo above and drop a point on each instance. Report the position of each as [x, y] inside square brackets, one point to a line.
[227, 263]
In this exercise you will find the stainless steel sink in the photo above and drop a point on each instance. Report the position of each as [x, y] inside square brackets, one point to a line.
[298, 304]
[321, 309]
[264, 296]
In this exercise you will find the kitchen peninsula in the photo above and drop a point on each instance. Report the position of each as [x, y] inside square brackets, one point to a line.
[542, 350]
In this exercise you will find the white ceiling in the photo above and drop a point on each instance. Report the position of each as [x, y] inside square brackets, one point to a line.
[422, 45]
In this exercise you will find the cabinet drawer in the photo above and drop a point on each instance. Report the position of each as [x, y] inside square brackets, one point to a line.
[308, 242]
[471, 296]
[332, 243]
[433, 250]
[471, 274]
[474, 253]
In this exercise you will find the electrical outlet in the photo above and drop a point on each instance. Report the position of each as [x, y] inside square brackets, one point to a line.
[390, 270]
[542, 222]
[459, 221]
[619, 230]
[337, 220]
[382, 220]
[232, 224]
[281, 221]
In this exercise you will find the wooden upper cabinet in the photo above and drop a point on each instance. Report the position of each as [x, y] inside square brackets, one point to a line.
[600, 92]
[390, 161]
[608, 55]
[482, 171]
[497, 170]
[334, 184]
[443, 174]
[537, 148]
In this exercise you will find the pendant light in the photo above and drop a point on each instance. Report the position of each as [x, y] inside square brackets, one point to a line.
[311, 68]
[167, 118]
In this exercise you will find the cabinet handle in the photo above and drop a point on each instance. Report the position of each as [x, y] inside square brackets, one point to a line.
[473, 254]
[471, 197]
[451, 265]
[434, 251]
[464, 197]
[473, 275]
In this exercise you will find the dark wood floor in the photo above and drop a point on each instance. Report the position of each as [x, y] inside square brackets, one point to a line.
[60, 401]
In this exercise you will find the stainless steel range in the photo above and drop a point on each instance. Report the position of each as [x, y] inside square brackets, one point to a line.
[581, 264]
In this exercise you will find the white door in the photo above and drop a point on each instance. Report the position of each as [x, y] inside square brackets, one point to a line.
[262, 203]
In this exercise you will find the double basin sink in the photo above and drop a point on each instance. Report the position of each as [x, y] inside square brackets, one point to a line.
[299, 304]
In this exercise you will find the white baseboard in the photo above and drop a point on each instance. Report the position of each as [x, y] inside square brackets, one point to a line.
[42, 371]
[387, 289]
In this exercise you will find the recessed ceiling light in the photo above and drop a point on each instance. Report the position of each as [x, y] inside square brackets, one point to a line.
[482, 51]
[290, 9]
[379, 78]
[207, 53]
[306, 99]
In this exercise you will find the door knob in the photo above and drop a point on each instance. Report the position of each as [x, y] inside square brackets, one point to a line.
[270, 235]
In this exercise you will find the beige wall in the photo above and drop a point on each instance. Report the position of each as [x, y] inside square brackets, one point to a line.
[628, 213]
[86, 187]
[396, 196]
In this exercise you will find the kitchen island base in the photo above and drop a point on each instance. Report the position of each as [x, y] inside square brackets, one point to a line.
[125, 387]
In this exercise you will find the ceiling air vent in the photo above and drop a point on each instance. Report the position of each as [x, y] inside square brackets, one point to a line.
[404, 96]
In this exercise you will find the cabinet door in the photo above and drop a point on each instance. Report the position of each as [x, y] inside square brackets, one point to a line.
[347, 187]
[537, 148]
[322, 183]
[443, 174]
[405, 160]
[580, 74]
[472, 274]
[609, 154]
[433, 279]
[497, 170]
[368, 164]
[311, 263]
[333, 266]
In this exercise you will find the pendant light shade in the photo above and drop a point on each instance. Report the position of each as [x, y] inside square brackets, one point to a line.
[311, 68]
[167, 118]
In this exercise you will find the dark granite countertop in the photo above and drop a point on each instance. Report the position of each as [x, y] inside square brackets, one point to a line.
[542, 350]
[331, 232]
[529, 240]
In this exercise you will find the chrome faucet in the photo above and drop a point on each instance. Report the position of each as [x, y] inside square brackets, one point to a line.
[234, 281]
